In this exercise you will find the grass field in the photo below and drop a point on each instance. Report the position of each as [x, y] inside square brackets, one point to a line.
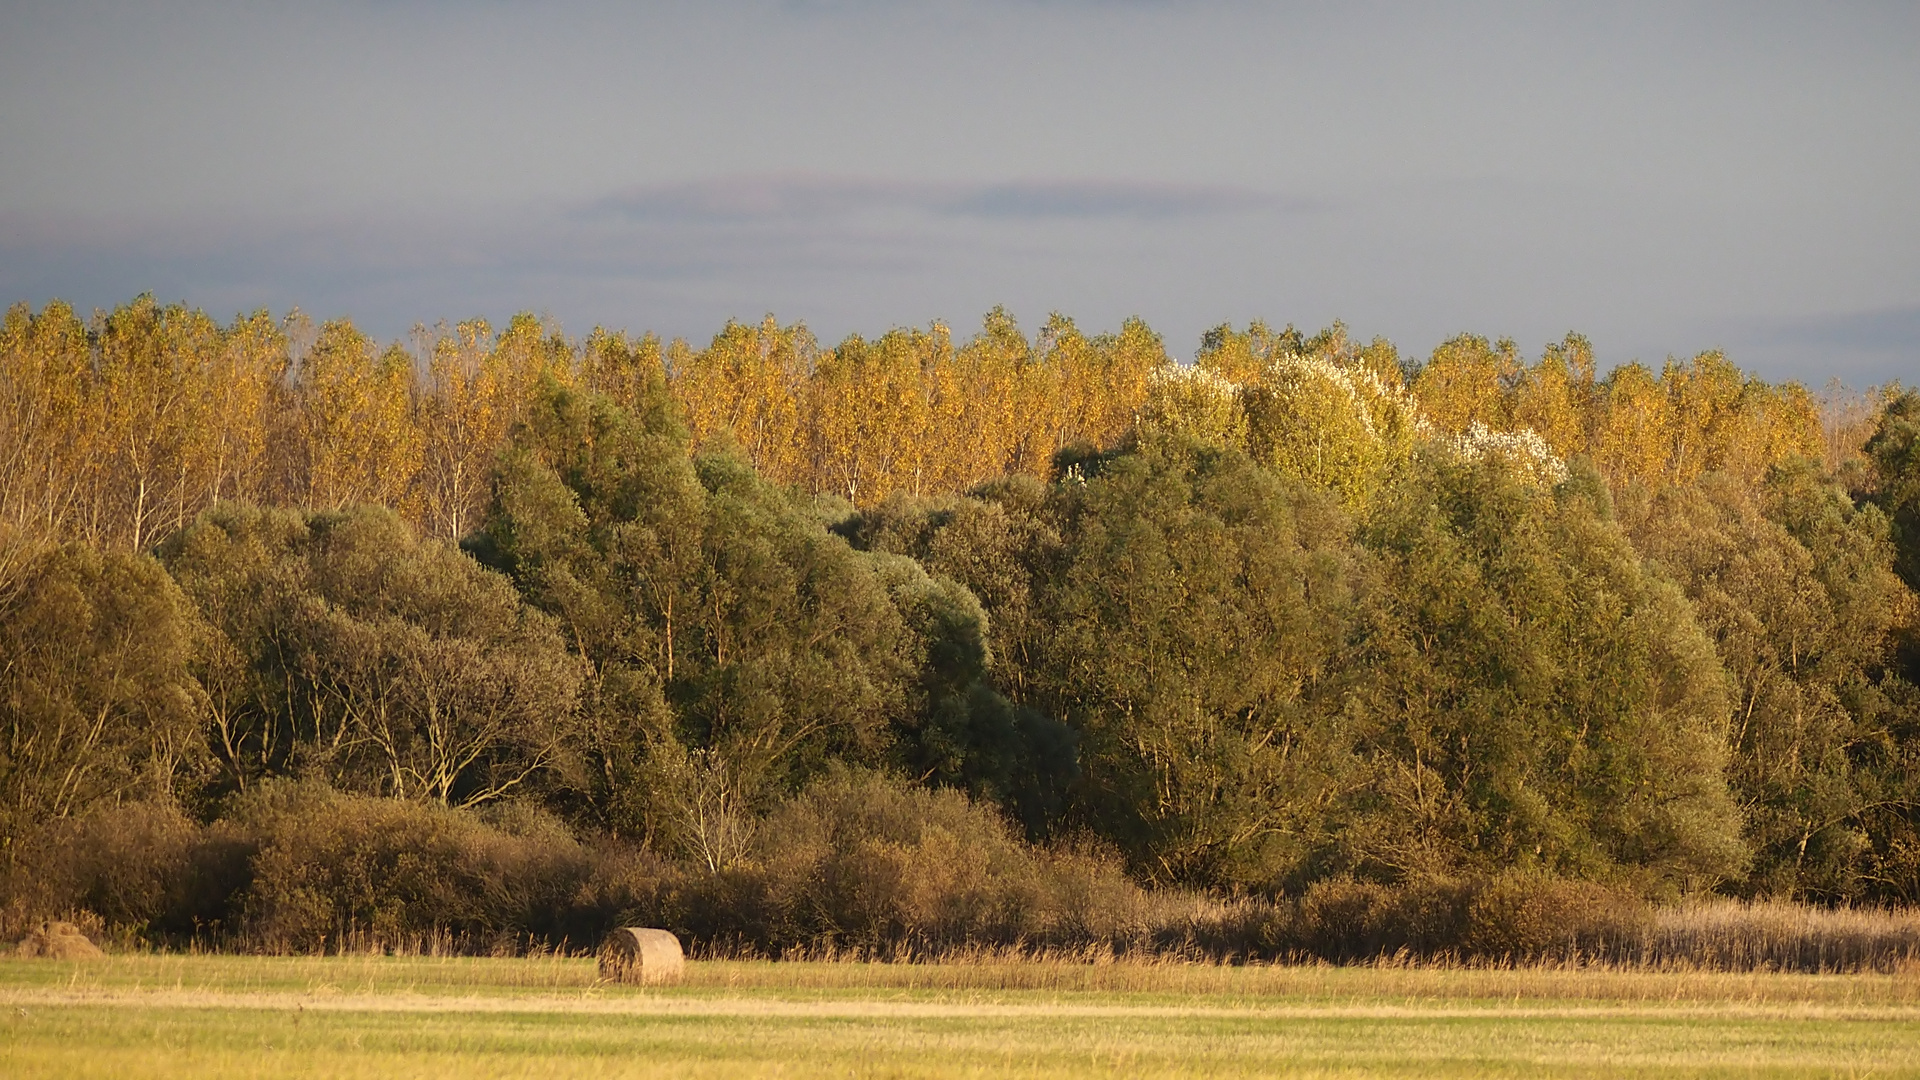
[200, 1016]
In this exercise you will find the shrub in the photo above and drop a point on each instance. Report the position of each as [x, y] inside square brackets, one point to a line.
[139, 871]
[866, 863]
[1516, 917]
[338, 871]
[861, 860]
[858, 865]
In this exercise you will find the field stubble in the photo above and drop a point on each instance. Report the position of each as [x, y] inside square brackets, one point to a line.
[159, 1015]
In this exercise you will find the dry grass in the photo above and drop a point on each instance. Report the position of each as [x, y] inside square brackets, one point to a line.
[1776, 936]
[168, 1016]
[983, 975]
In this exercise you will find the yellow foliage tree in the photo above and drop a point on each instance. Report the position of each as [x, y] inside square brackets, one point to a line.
[869, 415]
[463, 418]
[749, 383]
[1087, 391]
[1334, 424]
[1242, 359]
[1466, 381]
[1193, 403]
[117, 432]
[1129, 361]
[953, 450]
[1706, 397]
[247, 382]
[993, 380]
[623, 370]
[357, 422]
[1557, 398]
[46, 421]
[1636, 432]
[155, 421]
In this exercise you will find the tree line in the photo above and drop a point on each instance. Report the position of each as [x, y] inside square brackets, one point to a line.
[120, 428]
[1302, 610]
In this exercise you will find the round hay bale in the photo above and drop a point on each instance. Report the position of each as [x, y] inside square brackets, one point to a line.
[58, 941]
[641, 954]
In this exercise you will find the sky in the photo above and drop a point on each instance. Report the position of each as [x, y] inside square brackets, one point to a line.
[1665, 178]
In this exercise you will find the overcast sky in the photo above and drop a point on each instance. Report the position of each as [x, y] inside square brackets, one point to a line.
[1665, 178]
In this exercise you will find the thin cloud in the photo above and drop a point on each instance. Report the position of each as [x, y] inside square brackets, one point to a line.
[1107, 199]
[1890, 329]
[744, 199]
[747, 199]
[1861, 347]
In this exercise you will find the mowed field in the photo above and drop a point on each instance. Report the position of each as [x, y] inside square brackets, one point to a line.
[200, 1016]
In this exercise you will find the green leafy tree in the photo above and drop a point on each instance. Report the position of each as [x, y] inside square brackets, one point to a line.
[1534, 697]
[1894, 451]
[1177, 607]
[1200, 617]
[1793, 584]
[346, 647]
[959, 730]
[735, 645]
[1002, 546]
[96, 701]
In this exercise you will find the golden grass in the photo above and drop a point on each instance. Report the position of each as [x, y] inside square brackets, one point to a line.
[166, 1016]
[1782, 936]
[983, 976]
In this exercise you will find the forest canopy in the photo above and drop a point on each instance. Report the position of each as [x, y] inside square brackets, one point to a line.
[1304, 609]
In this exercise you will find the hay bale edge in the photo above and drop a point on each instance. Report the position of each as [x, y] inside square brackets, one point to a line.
[641, 954]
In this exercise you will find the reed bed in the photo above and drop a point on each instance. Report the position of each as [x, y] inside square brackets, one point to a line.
[1714, 935]
[1717, 935]
[1731, 935]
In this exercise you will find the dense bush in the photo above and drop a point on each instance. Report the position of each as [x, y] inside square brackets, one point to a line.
[332, 871]
[1515, 917]
[297, 867]
[856, 861]
[141, 870]
[857, 865]
[859, 861]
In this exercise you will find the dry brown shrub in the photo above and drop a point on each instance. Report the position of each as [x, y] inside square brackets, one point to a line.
[859, 866]
[1503, 918]
[1529, 918]
[863, 864]
[138, 872]
[339, 872]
